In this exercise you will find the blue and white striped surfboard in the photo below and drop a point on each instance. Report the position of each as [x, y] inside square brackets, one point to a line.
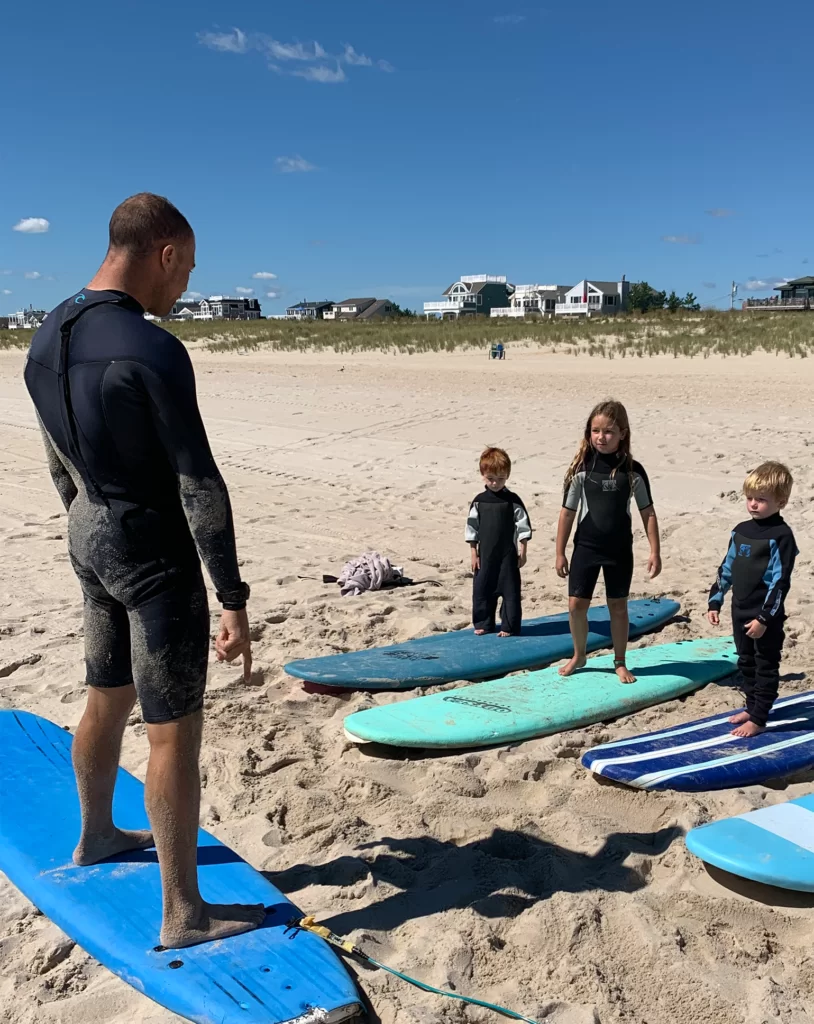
[774, 845]
[705, 755]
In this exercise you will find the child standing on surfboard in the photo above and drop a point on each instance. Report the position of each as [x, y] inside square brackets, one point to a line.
[758, 568]
[497, 530]
[600, 485]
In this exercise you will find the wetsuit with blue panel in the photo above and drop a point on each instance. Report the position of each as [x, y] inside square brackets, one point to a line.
[757, 568]
[128, 453]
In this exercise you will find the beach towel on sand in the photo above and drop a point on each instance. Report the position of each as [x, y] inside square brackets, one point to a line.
[371, 571]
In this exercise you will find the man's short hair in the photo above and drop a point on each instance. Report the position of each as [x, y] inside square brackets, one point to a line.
[769, 478]
[496, 462]
[145, 222]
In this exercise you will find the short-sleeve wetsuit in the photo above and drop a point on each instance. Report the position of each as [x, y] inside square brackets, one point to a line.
[497, 523]
[601, 493]
[128, 454]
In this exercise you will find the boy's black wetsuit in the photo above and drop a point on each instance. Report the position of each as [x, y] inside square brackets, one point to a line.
[601, 492]
[497, 523]
[128, 453]
[758, 568]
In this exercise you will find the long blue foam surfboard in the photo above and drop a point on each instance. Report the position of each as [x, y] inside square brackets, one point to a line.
[705, 755]
[774, 845]
[540, 703]
[444, 657]
[113, 909]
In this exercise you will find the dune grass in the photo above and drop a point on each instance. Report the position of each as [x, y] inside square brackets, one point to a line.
[684, 334]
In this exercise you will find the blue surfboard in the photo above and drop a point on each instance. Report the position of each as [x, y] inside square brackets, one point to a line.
[774, 845]
[445, 657]
[113, 909]
[705, 755]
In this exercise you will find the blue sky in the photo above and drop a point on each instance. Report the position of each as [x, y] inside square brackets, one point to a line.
[384, 148]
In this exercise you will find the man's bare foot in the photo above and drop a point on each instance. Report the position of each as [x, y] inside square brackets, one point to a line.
[740, 718]
[504, 633]
[213, 921]
[480, 632]
[624, 673]
[574, 665]
[95, 847]
[748, 729]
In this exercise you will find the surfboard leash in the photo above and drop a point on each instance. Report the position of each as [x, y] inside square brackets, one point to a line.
[308, 924]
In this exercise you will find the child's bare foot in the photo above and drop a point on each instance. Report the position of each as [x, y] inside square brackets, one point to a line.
[504, 633]
[574, 665]
[748, 729]
[480, 632]
[623, 672]
[740, 718]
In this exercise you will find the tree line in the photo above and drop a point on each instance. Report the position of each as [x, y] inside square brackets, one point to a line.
[643, 298]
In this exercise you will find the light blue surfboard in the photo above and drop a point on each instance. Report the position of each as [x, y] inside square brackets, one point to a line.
[444, 657]
[774, 845]
[704, 755]
[540, 703]
[113, 909]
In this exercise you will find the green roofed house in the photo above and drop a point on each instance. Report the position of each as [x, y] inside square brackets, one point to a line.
[472, 295]
[796, 294]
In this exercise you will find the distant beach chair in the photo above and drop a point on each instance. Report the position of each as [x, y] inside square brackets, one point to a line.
[497, 351]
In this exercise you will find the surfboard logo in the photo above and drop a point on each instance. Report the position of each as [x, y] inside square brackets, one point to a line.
[479, 704]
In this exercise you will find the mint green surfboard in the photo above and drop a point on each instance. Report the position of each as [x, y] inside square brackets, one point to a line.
[540, 703]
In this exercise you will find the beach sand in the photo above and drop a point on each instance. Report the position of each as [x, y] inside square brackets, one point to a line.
[511, 873]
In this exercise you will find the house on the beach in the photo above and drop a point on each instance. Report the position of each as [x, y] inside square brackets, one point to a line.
[595, 298]
[796, 294]
[537, 300]
[217, 307]
[360, 309]
[29, 319]
[309, 310]
[471, 295]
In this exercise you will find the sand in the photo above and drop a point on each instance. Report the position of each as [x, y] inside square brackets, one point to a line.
[510, 874]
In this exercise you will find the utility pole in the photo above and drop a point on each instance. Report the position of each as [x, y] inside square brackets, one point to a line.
[732, 295]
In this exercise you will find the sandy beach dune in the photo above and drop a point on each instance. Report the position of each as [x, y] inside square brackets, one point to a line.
[509, 874]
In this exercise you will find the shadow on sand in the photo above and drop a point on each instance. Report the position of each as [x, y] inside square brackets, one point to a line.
[437, 876]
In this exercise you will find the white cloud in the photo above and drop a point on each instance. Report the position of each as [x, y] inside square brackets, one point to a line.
[682, 239]
[32, 226]
[509, 19]
[192, 296]
[350, 56]
[278, 53]
[7, 291]
[8, 273]
[719, 211]
[293, 165]
[227, 42]
[273, 295]
[244, 291]
[32, 275]
[264, 275]
[756, 284]
[321, 73]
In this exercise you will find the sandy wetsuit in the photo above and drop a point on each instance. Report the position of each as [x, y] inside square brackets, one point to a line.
[497, 523]
[129, 455]
[758, 567]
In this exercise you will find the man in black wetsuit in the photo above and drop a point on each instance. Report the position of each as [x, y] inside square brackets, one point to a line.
[128, 454]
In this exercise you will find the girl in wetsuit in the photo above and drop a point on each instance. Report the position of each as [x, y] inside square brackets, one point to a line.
[600, 485]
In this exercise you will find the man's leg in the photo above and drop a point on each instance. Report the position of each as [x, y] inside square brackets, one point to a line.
[95, 753]
[172, 798]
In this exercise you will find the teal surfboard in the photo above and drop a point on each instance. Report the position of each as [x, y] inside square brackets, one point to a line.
[773, 845]
[540, 703]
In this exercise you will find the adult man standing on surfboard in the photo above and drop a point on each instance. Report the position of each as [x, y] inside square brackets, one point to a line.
[129, 456]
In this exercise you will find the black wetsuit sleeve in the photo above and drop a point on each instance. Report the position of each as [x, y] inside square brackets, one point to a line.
[65, 486]
[723, 581]
[781, 566]
[204, 496]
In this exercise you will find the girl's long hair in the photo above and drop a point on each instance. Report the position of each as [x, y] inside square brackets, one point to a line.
[617, 414]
